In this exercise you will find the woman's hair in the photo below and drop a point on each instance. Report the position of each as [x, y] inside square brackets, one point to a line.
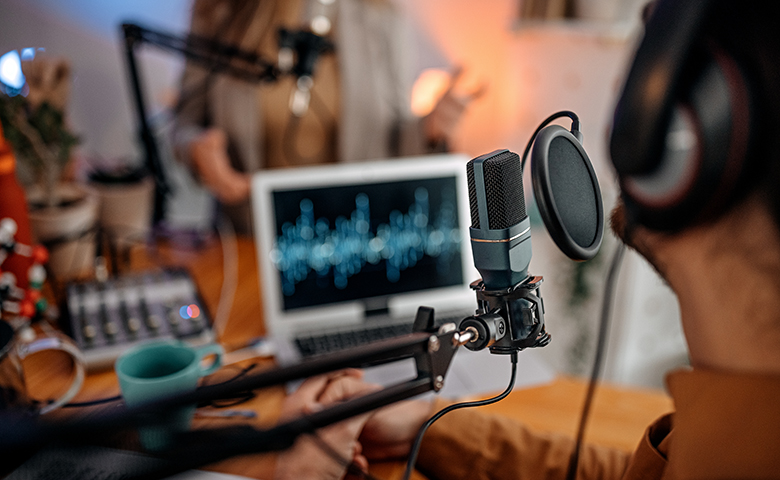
[227, 20]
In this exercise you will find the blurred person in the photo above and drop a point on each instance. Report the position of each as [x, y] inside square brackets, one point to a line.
[723, 263]
[359, 108]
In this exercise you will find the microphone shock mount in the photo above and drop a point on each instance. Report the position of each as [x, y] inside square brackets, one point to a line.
[507, 320]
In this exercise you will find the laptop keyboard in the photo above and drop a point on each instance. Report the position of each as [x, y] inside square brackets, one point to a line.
[335, 341]
[332, 342]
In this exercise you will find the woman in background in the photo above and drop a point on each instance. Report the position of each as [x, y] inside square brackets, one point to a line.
[228, 128]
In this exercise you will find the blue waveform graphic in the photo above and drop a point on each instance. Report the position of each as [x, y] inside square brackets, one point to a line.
[344, 249]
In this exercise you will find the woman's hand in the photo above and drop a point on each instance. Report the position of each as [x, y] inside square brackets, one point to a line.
[306, 460]
[440, 124]
[209, 156]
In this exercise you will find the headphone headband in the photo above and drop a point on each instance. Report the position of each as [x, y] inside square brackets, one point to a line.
[652, 86]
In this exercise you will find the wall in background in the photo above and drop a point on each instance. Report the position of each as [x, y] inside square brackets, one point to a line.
[87, 33]
[477, 36]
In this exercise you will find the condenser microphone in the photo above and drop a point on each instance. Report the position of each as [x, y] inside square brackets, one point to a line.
[299, 51]
[510, 313]
[500, 229]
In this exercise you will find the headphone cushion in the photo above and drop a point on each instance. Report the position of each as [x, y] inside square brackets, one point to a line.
[704, 152]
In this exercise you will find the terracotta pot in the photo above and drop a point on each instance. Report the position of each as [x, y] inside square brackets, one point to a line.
[67, 230]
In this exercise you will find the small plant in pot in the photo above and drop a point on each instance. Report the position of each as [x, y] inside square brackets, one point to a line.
[62, 214]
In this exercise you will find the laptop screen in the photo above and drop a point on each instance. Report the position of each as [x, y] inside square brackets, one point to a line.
[353, 241]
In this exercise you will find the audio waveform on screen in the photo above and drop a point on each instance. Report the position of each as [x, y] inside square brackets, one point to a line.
[351, 244]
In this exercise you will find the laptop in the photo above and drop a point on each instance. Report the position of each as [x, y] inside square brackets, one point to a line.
[348, 252]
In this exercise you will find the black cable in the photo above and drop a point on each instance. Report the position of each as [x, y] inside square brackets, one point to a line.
[239, 397]
[606, 309]
[415, 450]
[291, 131]
[575, 127]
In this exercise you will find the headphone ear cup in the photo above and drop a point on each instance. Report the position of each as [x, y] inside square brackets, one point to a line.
[704, 152]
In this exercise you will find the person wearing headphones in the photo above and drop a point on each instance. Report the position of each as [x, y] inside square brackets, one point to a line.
[699, 168]
[354, 105]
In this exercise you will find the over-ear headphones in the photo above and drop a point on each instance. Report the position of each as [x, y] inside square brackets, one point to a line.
[684, 124]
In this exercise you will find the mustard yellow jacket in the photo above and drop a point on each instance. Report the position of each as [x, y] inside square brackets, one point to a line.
[725, 425]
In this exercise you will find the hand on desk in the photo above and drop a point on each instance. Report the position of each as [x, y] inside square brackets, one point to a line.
[388, 434]
[306, 459]
[382, 435]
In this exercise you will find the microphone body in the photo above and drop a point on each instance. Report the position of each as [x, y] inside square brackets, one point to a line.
[500, 229]
[510, 316]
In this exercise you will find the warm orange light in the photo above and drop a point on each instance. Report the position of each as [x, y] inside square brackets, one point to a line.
[428, 89]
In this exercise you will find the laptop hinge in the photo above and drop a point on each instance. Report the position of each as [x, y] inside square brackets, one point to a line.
[376, 307]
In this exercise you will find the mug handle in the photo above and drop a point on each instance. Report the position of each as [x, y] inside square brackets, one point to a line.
[57, 343]
[206, 350]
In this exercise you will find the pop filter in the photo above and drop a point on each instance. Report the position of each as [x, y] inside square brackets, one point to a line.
[567, 193]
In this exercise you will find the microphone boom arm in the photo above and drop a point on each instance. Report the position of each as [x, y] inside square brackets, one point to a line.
[432, 349]
[214, 56]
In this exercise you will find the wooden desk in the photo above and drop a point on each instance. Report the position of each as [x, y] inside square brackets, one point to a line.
[618, 419]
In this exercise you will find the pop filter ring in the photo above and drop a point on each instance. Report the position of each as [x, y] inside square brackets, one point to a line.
[545, 200]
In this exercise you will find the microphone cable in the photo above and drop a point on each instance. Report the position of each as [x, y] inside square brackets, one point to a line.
[292, 131]
[606, 312]
[479, 403]
[575, 127]
[227, 295]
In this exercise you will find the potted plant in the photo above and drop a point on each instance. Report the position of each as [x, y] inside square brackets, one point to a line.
[62, 214]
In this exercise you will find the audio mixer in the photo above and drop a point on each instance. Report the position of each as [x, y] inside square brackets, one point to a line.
[106, 317]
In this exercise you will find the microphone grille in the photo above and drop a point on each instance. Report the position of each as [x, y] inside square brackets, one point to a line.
[473, 203]
[503, 191]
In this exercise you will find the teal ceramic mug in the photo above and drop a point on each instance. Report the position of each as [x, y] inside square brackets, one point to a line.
[160, 369]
